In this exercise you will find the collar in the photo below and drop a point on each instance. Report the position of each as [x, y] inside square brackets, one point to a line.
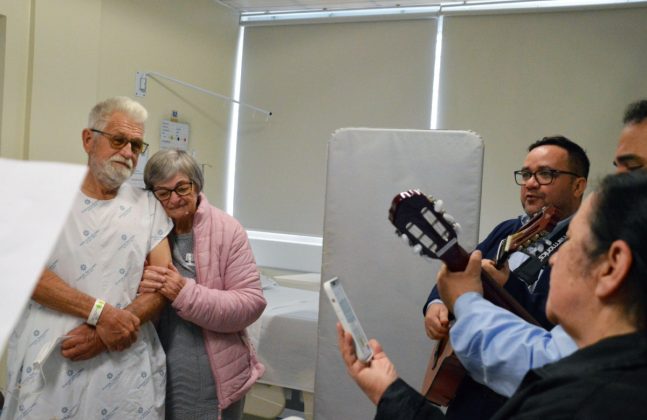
[628, 350]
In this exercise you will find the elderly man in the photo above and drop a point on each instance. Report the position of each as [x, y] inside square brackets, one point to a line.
[83, 347]
[598, 295]
[554, 172]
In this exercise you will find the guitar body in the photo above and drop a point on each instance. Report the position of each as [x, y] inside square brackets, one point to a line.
[444, 374]
[432, 233]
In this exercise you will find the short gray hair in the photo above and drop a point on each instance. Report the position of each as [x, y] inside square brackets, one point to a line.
[101, 112]
[165, 164]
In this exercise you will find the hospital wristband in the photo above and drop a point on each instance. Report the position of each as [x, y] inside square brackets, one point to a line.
[95, 313]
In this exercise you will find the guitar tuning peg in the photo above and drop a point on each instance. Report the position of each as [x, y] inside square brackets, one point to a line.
[416, 249]
[397, 233]
[449, 218]
[405, 239]
[438, 206]
[427, 258]
[457, 227]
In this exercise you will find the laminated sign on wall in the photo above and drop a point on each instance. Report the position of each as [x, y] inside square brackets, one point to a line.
[174, 135]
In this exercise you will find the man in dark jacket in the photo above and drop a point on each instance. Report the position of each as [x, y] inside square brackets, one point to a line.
[554, 172]
[598, 296]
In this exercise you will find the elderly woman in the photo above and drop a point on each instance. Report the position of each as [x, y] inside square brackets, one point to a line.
[214, 294]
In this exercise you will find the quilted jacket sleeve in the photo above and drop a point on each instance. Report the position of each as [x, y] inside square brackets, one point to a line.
[240, 301]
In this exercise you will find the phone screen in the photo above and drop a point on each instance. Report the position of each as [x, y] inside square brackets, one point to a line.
[347, 317]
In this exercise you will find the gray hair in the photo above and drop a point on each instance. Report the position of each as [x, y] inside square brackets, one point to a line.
[101, 113]
[165, 164]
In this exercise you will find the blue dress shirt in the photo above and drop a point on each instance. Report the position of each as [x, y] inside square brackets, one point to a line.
[498, 348]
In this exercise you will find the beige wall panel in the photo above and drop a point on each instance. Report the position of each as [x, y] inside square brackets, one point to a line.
[516, 78]
[15, 77]
[195, 44]
[96, 53]
[64, 84]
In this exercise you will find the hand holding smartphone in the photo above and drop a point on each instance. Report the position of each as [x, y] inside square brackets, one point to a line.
[346, 316]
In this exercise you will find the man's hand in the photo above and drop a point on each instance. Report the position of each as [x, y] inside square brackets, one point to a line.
[437, 321]
[500, 276]
[373, 378]
[452, 285]
[84, 343]
[117, 328]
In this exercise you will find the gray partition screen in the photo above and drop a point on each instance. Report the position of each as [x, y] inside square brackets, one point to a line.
[386, 283]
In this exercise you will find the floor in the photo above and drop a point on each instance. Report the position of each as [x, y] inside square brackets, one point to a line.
[293, 407]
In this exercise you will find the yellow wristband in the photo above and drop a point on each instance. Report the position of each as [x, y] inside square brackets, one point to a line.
[95, 313]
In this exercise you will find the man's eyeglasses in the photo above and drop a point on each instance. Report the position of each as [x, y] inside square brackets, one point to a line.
[542, 176]
[164, 194]
[119, 142]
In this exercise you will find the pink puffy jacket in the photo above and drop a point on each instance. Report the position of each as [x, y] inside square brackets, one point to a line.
[225, 298]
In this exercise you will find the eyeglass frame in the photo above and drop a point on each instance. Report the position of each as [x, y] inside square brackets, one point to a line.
[174, 190]
[112, 139]
[554, 173]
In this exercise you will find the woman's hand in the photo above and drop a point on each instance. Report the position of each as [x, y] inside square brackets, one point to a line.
[173, 283]
[152, 279]
[165, 280]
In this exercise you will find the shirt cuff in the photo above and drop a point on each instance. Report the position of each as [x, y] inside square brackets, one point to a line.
[464, 303]
[433, 301]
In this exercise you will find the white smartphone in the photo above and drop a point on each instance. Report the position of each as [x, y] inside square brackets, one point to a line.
[347, 317]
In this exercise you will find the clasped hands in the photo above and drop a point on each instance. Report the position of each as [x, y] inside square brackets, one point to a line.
[116, 330]
[165, 280]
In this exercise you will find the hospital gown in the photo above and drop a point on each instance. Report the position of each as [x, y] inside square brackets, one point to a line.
[101, 252]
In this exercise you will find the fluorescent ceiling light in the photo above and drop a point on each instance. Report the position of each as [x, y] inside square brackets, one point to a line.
[327, 14]
[439, 8]
[233, 124]
[530, 5]
[435, 87]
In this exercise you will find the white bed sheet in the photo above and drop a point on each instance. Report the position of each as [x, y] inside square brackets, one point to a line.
[285, 336]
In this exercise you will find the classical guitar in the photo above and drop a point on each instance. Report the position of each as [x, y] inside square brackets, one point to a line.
[424, 225]
[540, 225]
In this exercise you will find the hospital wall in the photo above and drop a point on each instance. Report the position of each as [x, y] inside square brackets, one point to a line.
[60, 57]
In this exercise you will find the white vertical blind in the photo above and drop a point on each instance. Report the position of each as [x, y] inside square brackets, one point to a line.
[315, 79]
[518, 77]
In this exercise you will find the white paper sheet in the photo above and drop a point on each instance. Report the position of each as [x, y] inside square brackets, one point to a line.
[36, 198]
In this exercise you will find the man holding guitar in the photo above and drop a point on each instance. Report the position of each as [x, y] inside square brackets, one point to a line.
[554, 173]
[514, 346]
[598, 297]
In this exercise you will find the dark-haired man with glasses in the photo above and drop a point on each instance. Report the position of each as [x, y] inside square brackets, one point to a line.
[84, 347]
[555, 173]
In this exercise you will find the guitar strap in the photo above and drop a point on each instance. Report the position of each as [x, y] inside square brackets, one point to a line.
[529, 270]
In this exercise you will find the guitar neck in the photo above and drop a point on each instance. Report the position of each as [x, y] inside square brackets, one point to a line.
[496, 294]
[457, 258]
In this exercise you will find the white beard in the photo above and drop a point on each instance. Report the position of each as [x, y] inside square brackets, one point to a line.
[109, 175]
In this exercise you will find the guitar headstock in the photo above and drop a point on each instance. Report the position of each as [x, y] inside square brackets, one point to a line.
[540, 225]
[424, 225]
